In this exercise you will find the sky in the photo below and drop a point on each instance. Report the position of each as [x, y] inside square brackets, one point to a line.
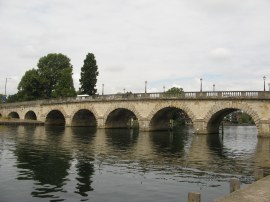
[168, 43]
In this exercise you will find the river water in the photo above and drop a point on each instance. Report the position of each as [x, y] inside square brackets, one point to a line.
[85, 164]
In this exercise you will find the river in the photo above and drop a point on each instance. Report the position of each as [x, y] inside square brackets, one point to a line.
[39, 163]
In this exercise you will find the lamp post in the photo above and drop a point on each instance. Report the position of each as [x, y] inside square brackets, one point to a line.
[214, 87]
[269, 86]
[102, 89]
[6, 88]
[6, 85]
[264, 77]
[201, 84]
[164, 89]
[124, 90]
[145, 87]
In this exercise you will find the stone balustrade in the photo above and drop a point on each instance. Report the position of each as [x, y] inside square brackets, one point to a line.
[257, 95]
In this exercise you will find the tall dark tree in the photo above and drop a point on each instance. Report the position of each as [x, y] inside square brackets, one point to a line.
[50, 68]
[89, 73]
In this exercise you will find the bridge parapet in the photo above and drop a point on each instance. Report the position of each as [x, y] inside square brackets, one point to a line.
[222, 95]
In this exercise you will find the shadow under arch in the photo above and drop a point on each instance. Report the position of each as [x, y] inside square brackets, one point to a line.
[168, 118]
[30, 115]
[214, 122]
[121, 118]
[84, 117]
[55, 117]
[14, 115]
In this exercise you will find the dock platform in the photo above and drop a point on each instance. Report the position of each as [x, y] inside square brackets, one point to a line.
[258, 191]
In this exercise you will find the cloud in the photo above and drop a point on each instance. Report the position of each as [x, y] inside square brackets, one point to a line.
[163, 42]
[115, 69]
[221, 54]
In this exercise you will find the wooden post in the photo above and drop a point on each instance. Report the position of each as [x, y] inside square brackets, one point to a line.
[194, 197]
[222, 128]
[258, 174]
[234, 184]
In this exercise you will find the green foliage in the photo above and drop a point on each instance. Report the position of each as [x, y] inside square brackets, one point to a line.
[52, 79]
[30, 86]
[64, 86]
[51, 69]
[14, 98]
[89, 73]
[2, 98]
[174, 91]
[239, 117]
[245, 119]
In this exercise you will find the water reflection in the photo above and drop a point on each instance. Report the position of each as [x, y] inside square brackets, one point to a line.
[83, 163]
[82, 138]
[44, 162]
[123, 139]
[170, 142]
[262, 157]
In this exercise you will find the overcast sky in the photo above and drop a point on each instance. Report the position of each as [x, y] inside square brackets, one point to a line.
[166, 42]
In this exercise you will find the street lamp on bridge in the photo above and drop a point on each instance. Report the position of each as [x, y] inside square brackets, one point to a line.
[145, 87]
[201, 84]
[264, 77]
[5, 96]
[102, 89]
[214, 87]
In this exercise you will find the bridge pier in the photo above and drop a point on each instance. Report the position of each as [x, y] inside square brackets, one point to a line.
[68, 121]
[144, 125]
[263, 128]
[200, 127]
[100, 122]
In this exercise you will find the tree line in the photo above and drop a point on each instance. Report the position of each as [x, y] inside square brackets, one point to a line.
[53, 79]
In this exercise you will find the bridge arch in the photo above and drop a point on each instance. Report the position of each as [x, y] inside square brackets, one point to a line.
[161, 115]
[30, 115]
[14, 115]
[122, 117]
[55, 117]
[84, 117]
[218, 112]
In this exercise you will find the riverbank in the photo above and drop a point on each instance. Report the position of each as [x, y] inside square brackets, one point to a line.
[10, 121]
[257, 191]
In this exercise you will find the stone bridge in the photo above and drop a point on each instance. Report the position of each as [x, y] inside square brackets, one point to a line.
[150, 111]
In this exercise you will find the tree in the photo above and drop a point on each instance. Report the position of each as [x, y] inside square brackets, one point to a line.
[52, 79]
[89, 73]
[30, 86]
[175, 91]
[50, 69]
[3, 98]
[14, 98]
[64, 86]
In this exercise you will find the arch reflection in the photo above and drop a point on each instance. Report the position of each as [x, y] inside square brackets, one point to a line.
[121, 139]
[82, 141]
[170, 142]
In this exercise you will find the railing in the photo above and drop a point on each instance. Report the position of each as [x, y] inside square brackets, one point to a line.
[144, 96]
